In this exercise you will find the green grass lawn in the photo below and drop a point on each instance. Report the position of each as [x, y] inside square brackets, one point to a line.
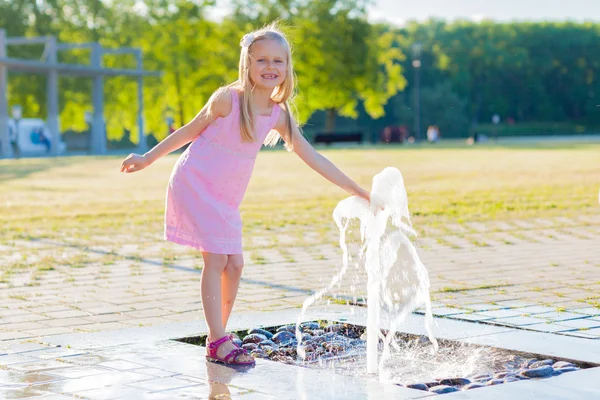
[86, 200]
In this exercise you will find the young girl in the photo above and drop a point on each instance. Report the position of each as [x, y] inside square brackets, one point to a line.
[210, 178]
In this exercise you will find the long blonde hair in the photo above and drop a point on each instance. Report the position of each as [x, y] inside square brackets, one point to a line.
[283, 94]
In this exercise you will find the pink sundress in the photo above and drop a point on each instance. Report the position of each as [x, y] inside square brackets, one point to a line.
[209, 181]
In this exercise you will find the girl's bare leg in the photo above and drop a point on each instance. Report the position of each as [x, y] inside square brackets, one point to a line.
[230, 283]
[210, 288]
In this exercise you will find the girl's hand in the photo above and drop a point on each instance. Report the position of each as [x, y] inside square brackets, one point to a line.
[134, 162]
[375, 202]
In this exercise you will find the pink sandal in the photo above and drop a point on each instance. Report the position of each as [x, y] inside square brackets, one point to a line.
[229, 359]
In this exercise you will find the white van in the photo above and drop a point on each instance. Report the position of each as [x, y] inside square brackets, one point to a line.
[33, 138]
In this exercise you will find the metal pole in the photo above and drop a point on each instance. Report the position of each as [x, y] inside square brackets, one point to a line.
[143, 144]
[4, 139]
[52, 85]
[417, 105]
[416, 50]
[98, 128]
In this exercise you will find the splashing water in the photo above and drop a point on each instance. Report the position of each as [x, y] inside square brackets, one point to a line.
[397, 281]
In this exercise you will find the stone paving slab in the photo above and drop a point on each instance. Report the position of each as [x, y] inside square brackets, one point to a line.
[476, 281]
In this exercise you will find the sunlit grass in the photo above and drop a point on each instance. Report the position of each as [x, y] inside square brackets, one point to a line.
[85, 201]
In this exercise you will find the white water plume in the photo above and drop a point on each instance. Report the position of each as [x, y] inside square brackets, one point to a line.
[397, 280]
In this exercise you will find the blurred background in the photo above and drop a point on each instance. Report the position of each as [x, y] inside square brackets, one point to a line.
[371, 71]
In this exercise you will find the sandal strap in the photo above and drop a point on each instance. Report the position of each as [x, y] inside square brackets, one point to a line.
[234, 353]
[215, 345]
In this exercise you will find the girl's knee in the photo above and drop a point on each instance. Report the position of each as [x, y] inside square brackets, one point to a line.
[235, 263]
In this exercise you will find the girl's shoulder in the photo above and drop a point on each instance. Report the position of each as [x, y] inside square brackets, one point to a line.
[222, 101]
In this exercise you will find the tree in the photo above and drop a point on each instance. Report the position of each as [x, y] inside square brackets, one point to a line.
[342, 59]
[441, 106]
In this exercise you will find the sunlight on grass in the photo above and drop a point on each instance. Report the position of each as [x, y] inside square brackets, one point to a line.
[85, 201]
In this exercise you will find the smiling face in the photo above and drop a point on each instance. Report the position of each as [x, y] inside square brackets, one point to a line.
[268, 65]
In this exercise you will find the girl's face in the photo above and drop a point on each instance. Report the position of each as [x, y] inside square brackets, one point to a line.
[268, 65]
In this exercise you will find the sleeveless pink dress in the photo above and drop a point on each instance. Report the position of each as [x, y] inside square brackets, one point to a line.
[209, 181]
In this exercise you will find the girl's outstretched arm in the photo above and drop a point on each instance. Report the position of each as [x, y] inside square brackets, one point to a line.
[316, 161]
[219, 107]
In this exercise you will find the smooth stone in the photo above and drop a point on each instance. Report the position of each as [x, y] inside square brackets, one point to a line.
[422, 341]
[334, 328]
[495, 382]
[541, 372]
[502, 375]
[527, 363]
[562, 364]
[357, 342]
[250, 346]
[432, 384]
[541, 364]
[481, 377]
[455, 381]
[282, 336]
[567, 369]
[259, 354]
[287, 328]
[511, 379]
[237, 341]
[267, 343]
[441, 389]
[266, 333]
[254, 338]
[310, 325]
[306, 336]
[290, 342]
[473, 385]
[418, 386]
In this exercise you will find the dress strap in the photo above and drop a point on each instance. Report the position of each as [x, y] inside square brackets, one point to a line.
[277, 109]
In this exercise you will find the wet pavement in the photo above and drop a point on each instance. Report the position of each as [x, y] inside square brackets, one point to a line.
[142, 363]
[114, 321]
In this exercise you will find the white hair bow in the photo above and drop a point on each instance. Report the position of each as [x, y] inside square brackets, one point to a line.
[247, 40]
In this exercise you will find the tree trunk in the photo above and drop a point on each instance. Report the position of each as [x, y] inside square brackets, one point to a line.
[180, 103]
[330, 121]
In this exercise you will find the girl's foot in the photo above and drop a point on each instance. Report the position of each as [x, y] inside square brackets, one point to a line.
[223, 350]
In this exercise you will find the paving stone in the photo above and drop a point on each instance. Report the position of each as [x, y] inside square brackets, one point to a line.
[482, 307]
[110, 393]
[443, 311]
[561, 316]
[38, 365]
[551, 328]
[518, 321]
[472, 317]
[593, 311]
[581, 323]
[109, 379]
[500, 313]
[78, 372]
[121, 365]
[9, 359]
[155, 372]
[19, 378]
[158, 384]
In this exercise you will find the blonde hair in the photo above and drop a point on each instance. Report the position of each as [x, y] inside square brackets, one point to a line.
[283, 94]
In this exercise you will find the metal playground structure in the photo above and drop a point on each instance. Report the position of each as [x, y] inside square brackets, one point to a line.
[52, 68]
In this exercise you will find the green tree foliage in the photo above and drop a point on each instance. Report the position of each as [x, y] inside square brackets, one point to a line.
[441, 106]
[346, 66]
